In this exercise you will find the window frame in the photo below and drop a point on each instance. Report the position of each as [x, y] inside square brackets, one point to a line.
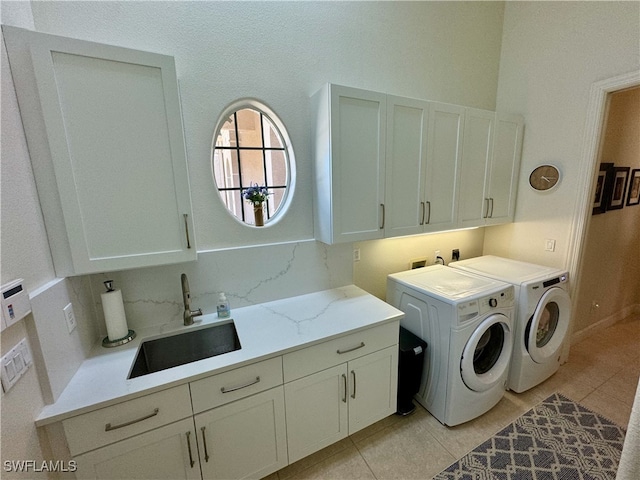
[271, 218]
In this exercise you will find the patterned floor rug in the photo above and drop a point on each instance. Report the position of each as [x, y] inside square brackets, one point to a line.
[558, 439]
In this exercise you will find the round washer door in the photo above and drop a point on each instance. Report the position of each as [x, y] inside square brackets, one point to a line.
[487, 354]
[548, 326]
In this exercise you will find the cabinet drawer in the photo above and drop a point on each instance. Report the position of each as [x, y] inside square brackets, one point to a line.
[229, 386]
[328, 354]
[117, 422]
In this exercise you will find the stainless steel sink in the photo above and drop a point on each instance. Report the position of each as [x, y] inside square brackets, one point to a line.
[166, 352]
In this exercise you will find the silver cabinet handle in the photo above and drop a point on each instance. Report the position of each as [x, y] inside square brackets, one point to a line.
[383, 215]
[204, 443]
[191, 462]
[353, 373]
[108, 427]
[340, 352]
[429, 214]
[423, 209]
[344, 380]
[186, 229]
[491, 203]
[486, 208]
[238, 387]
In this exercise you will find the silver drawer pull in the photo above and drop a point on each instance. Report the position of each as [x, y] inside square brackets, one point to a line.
[186, 229]
[191, 461]
[244, 385]
[353, 395]
[204, 442]
[108, 427]
[340, 352]
[344, 380]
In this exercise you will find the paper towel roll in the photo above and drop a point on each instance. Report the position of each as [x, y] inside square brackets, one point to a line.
[114, 316]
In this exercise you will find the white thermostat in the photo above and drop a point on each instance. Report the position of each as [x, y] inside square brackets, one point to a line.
[15, 303]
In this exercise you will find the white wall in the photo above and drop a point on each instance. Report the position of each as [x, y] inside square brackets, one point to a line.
[552, 53]
[283, 52]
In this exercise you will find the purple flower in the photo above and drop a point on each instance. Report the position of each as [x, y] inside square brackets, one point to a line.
[255, 194]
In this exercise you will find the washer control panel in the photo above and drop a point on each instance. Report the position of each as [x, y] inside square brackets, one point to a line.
[502, 299]
[471, 309]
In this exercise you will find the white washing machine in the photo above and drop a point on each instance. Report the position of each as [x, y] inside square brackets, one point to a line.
[466, 320]
[543, 312]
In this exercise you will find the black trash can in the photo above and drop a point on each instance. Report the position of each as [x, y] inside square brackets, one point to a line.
[410, 365]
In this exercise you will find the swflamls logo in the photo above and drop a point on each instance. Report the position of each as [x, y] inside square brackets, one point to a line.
[40, 466]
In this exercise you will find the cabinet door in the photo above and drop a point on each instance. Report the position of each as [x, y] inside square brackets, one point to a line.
[474, 202]
[373, 386]
[406, 160]
[505, 168]
[104, 129]
[168, 452]
[316, 411]
[446, 124]
[350, 161]
[243, 439]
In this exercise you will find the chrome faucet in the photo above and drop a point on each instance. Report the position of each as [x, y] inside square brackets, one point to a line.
[186, 298]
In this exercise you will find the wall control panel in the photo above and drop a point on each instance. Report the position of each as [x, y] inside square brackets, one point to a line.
[15, 303]
[15, 364]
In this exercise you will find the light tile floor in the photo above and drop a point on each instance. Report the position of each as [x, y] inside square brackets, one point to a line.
[602, 374]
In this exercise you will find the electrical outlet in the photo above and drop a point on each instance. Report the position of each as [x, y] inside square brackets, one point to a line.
[437, 254]
[550, 245]
[356, 254]
[70, 317]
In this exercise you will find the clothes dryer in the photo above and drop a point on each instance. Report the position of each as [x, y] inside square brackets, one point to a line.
[466, 319]
[543, 312]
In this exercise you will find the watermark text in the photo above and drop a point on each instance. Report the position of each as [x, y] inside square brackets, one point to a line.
[38, 466]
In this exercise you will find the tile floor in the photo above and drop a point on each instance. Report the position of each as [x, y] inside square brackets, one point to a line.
[602, 374]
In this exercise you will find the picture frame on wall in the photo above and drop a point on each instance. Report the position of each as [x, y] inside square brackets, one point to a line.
[604, 185]
[618, 193]
[633, 196]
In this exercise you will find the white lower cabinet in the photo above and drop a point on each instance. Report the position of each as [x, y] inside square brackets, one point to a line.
[244, 423]
[326, 406]
[317, 411]
[167, 452]
[244, 439]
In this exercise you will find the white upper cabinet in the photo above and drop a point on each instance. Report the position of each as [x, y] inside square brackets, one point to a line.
[505, 167]
[406, 163]
[104, 130]
[388, 166]
[474, 205]
[349, 164]
[490, 168]
[446, 124]
[423, 151]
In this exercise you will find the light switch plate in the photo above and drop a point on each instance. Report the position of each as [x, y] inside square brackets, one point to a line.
[14, 364]
[70, 317]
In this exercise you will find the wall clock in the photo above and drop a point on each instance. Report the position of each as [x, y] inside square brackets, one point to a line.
[544, 177]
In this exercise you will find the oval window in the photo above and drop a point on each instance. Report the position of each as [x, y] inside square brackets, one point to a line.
[252, 162]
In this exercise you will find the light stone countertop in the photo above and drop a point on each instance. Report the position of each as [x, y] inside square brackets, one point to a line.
[265, 331]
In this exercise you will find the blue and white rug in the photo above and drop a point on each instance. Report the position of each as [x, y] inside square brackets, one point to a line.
[558, 439]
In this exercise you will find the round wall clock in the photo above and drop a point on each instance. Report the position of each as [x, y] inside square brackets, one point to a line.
[544, 177]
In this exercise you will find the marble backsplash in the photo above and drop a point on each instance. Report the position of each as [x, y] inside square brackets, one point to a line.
[153, 296]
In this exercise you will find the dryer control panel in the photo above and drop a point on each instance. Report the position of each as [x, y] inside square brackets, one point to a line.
[561, 281]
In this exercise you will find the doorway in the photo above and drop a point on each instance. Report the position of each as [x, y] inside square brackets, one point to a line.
[583, 259]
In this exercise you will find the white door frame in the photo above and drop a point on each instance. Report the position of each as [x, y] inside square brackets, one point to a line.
[596, 116]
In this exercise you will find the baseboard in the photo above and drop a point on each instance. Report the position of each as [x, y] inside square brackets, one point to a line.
[604, 323]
